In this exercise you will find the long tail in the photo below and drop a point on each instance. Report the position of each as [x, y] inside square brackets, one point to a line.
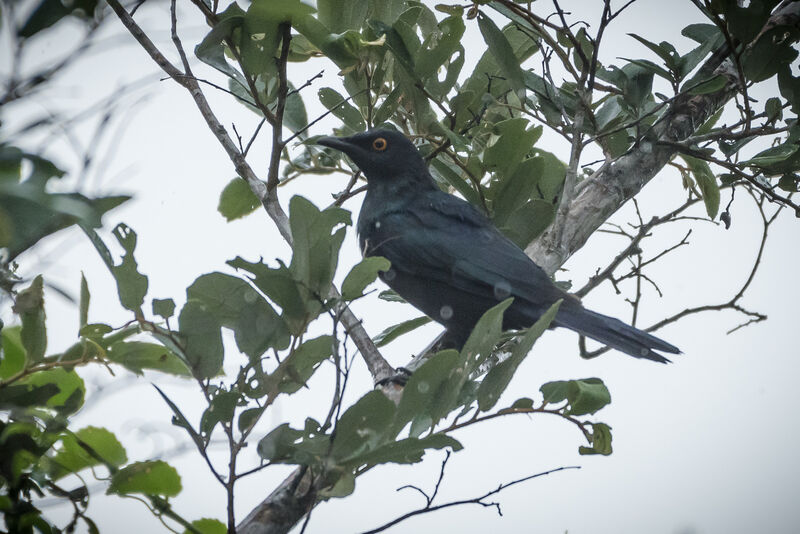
[614, 333]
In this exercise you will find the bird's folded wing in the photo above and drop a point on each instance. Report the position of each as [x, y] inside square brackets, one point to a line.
[446, 240]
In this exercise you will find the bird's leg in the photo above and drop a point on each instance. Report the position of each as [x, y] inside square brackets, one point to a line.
[399, 378]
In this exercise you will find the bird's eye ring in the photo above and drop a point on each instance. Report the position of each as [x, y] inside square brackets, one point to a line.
[380, 144]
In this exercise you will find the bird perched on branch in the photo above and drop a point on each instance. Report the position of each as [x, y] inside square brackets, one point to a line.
[451, 262]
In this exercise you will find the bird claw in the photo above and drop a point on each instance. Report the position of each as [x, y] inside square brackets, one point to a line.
[399, 378]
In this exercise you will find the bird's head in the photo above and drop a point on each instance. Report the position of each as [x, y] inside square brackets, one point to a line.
[382, 155]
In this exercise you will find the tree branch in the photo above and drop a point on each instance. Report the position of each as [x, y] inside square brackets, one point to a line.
[618, 181]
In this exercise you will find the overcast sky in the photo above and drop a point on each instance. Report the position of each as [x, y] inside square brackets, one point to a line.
[704, 445]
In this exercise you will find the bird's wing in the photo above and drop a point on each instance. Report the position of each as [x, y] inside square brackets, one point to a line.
[445, 239]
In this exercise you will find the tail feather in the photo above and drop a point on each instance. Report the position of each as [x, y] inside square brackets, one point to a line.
[614, 333]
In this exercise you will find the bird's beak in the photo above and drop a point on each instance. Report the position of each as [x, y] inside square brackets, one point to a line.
[339, 143]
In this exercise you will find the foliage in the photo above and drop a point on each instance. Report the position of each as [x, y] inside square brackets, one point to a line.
[401, 65]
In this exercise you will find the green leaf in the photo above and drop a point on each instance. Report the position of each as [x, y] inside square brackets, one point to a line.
[207, 526]
[513, 143]
[341, 15]
[316, 250]
[363, 427]
[154, 477]
[430, 393]
[287, 445]
[88, 447]
[712, 85]
[362, 275]
[449, 174]
[409, 450]
[83, 303]
[507, 194]
[294, 371]
[390, 295]
[137, 356]
[708, 36]
[295, 117]
[280, 286]
[29, 306]
[71, 388]
[12, 358]
[790, 183]
[773, 155]
[586, 396]
[248, 418]
[237, 200]
[528, 221]
[503, 54]
[500, 375]
[280, 10]
[393, 332]
[95, 331]
[554, 172]
[236, 305]
[487, 76]
[344, 485]
[638, 86]
[601, 440]
[774, 49]
[30, 211]
[554, 392]
[707, 182]
[50, 12]
[131, 284]
[774, 109]
[221, 409]
[211, 49]
[342, 109]
[203, 348]
[164, 308]
[484, 336]
[260, 38]
[440, 46]
[664, 50]
[523, 403]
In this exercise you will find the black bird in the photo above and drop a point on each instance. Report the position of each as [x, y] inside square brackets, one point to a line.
[450, 261]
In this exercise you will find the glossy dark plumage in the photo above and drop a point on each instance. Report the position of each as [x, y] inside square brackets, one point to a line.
[450, 261]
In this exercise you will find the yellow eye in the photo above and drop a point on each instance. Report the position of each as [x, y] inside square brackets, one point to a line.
[380, 144]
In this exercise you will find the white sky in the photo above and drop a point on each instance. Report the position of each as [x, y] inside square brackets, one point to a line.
[705, 445]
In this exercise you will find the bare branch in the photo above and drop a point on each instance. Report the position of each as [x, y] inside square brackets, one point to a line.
[476, 500]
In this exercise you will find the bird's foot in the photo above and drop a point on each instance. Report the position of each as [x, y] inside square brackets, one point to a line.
[399, 378]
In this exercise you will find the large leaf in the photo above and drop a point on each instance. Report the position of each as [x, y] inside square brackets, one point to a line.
[149, 478]
[707, 183]
[363, 274]
[503, 54]
[294, 371]
[29, 211]
[316, 244]
[363, 427]
[585, 396]
[500, 375]
[29, 306]
[137, 356]
[203, 340]
[13, 353]
[88, 447]
[211, 49]
[234, 304]
[280, 285]
[393, 332]
[71, 389]
[131, 284]
[237, 200]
